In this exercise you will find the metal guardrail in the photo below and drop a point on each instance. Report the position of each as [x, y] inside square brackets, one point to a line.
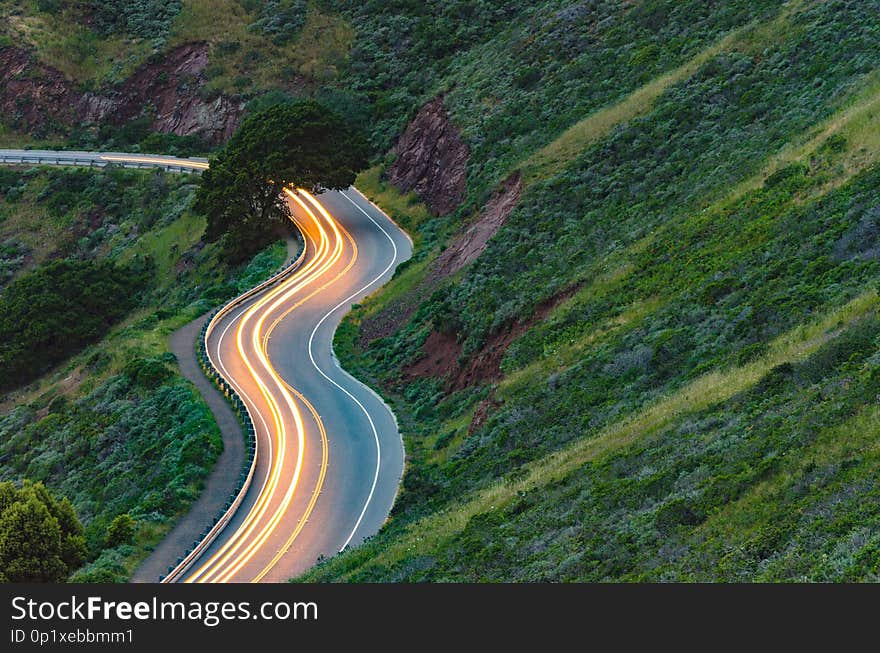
[225, 515]
[60, 159]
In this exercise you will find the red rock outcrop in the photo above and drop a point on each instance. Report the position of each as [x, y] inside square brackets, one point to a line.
[172, 86]
[39, 99]
[432, 159]
[34, 97]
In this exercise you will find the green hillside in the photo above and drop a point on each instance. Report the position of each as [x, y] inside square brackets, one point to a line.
[664, 366]
[690, 285]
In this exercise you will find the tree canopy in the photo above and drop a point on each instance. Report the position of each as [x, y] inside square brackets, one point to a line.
[297, 144]
[41, 538]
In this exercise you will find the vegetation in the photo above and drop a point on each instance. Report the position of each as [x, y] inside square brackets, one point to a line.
[40, 537]
[682, 308]
[54, 311]
[148, 19]
[700, 403]
[288, 145]
[114, 428]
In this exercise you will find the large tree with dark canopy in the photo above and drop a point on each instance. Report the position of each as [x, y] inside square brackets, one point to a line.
[298, 144]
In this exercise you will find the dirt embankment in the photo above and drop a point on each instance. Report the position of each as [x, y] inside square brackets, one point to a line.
[463, 250]
[39, 100]
[34, 97]
[432, 159]
[469, 245]
[443, 358]
[442, 351]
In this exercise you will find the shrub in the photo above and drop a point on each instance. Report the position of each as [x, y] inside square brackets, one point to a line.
[120, 531]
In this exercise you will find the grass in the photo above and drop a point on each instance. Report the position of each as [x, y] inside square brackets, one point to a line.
[559, 358]
[256, 63]
[554, 156]
[165, 245]
[143, 215]
[857, 121]
[856, 438]
[64, 43]
[13, 140]
[62, 40]
[404, 208]
[428, 534]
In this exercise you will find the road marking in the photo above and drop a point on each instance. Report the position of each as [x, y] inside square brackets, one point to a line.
[311, 271]
[353, 398]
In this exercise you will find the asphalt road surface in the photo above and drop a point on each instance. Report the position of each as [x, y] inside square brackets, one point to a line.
[329, 454]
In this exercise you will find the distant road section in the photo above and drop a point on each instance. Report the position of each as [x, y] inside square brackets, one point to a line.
[101, 159]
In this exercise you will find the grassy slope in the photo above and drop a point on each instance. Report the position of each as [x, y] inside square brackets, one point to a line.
[703, 407]
[246, 61]
[647, 132]
[90, 429]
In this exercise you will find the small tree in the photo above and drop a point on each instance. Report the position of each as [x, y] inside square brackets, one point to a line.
[120, 531]
[40, 538]
[298, 144]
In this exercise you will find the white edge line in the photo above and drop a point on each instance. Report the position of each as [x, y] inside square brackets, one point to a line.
[349, 394]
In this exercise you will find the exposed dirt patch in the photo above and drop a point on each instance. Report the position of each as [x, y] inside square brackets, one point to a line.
[469, 245]
[432, 159]
[463, 251]
[442, 352]
[32, 96]
[39, 100]
[484, 410]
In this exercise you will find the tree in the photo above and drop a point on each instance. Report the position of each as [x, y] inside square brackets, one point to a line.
[297, 144]
[41, 538]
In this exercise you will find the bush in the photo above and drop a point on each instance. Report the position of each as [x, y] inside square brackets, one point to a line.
[41, 538]
[54, 311]
[120, 531]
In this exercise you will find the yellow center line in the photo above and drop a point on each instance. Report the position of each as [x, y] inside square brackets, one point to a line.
[322, 473]
[233, 565]
[267, 530]
[313, 271]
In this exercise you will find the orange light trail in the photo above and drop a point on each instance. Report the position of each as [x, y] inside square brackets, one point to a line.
[176, 163]
[255, 530]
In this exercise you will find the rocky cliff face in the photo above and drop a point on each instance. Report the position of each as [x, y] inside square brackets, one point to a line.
[172, 86]
[432, 159]
[34, 98]
[38, 99]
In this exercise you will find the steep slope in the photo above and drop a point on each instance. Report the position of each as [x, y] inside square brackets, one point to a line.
[698, 401]
[638, 337]
[111, 74]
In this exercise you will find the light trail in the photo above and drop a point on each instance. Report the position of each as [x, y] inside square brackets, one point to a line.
[176, 163]
[259, 525]
[232, 546]
[255, 542]
[287, 423]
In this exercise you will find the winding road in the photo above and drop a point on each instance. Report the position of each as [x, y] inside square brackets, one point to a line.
[329, 456]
